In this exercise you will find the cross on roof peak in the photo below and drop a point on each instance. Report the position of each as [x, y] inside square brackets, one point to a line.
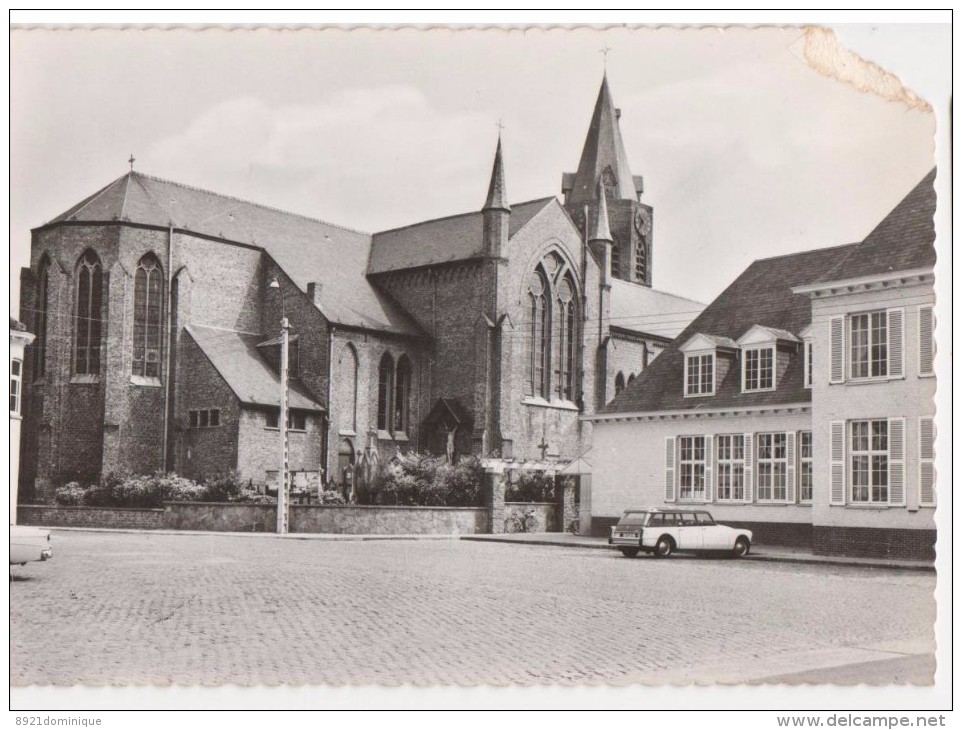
[132, 160]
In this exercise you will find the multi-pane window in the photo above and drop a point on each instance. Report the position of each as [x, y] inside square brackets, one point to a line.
[700, 374]
[805, 469]
[540, 329]
[402, 388]
[691, 467]
[206, 418]
[296, 420]
[16, 376]
[772, 467]
[43, 306]
[566, 340]
[731, 467]
[148, 317]
[759, 368]
[385, 386]
[868, 338]
[87, 324]
[869, 461]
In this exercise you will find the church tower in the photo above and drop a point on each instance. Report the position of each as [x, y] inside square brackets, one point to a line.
[604, 166]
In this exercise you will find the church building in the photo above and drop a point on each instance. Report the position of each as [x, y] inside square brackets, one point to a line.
[157, 310]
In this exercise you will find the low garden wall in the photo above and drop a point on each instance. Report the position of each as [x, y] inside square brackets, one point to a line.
[234, 517]
[115, 517]
[386, 520]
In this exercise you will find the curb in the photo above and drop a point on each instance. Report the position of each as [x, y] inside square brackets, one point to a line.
[546, 542]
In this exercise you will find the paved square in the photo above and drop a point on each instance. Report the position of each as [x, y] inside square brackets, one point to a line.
[195, 608]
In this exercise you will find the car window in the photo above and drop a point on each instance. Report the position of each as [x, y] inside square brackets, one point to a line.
[657, 520]
[704, 518]
[688, 519]
[633, 519]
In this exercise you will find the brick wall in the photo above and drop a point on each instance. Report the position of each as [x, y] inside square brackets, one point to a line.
[56, 516]
[220, 517]
[203, 452]
[867, 542]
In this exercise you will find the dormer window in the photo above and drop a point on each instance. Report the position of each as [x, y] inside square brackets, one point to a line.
[765, 353]
[707, 359]
[700, 374]
[758, 371]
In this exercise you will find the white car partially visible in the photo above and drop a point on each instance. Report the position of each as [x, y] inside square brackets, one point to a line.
[29, 545]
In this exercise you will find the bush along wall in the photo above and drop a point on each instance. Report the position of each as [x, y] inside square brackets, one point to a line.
[421, 480]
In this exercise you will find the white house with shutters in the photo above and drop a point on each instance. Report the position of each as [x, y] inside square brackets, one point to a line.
[799, 403]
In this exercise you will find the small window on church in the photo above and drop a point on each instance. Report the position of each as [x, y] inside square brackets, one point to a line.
[615, 260]
[385, 386]
[87, 323]
[402, 390]
[641, 262]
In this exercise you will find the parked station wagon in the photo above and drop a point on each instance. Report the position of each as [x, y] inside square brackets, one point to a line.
[661, 532]
[29, 544]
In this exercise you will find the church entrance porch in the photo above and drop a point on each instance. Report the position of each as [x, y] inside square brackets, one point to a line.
[539, 495]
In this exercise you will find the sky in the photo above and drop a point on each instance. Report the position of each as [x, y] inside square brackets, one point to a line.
[746, 150]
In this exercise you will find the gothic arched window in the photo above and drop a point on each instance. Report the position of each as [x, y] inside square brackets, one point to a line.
[385, 384]
[42, 307]
[566, 304]
[402, 392]
[540, 332]
[619, 383]
[88, 323]
[148, 317]
[348, 379]
[615, 260]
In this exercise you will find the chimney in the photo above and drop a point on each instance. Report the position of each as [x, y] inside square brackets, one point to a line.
[618, 114]
[314, 292]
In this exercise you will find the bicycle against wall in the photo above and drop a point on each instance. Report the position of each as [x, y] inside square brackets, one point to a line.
[527, 521]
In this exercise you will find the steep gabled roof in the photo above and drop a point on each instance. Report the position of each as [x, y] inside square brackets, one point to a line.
[904, 240]
[235, 356]
[649, 311]
[442, 240]
[603, 148]
[305, 248]
[761, 295]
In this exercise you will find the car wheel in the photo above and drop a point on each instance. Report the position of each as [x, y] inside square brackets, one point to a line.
[629, 552]
[742, 546]
[664, 547]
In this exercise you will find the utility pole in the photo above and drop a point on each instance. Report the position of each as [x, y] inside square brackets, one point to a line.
[284, 474]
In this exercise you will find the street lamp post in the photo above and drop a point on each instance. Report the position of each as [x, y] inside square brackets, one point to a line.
[283, 475]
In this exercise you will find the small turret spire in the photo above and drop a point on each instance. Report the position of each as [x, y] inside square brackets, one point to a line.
[497, 195]
[601, 231]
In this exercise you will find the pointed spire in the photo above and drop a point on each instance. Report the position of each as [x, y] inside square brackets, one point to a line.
[601, 231]
[497, 195]
[603, 156]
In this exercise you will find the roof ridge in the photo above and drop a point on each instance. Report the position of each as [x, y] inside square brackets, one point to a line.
[823, 249]
[222, 329]
[84, 203]
[458, 215]
[249, 202]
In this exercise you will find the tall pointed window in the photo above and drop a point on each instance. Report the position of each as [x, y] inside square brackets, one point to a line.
[566, 341]
[402, 391]
[615, 260]
[540, 334]
[88, 323]
[148, 317]
[43, 306]
[385, 386]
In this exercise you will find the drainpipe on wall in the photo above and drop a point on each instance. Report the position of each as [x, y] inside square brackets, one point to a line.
[167, 308]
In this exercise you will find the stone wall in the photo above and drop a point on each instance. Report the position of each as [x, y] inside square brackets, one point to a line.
[545, 512]
[381, 520]
[115, 517]
[220, 517]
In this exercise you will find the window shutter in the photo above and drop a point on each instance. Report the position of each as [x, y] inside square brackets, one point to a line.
[837, 462]
[927, 462]
[897, 461]
[790, 466]
[896, 336]
[670, 469]
[709, 463]
[926, 341]
[749, 466]
[837, 350]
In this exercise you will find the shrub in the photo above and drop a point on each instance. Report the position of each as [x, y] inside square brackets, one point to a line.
[223, 487]
[429, 481]
[330, 496]
[252, 496]
[70, 495]
[531, 486]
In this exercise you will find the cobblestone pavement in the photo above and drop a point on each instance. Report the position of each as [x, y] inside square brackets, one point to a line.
[187, 609]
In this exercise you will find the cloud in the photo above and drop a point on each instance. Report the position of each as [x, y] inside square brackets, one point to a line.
[336, 158]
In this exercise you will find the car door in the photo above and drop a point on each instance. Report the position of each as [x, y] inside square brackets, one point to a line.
[690, 532]
[714, 536]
